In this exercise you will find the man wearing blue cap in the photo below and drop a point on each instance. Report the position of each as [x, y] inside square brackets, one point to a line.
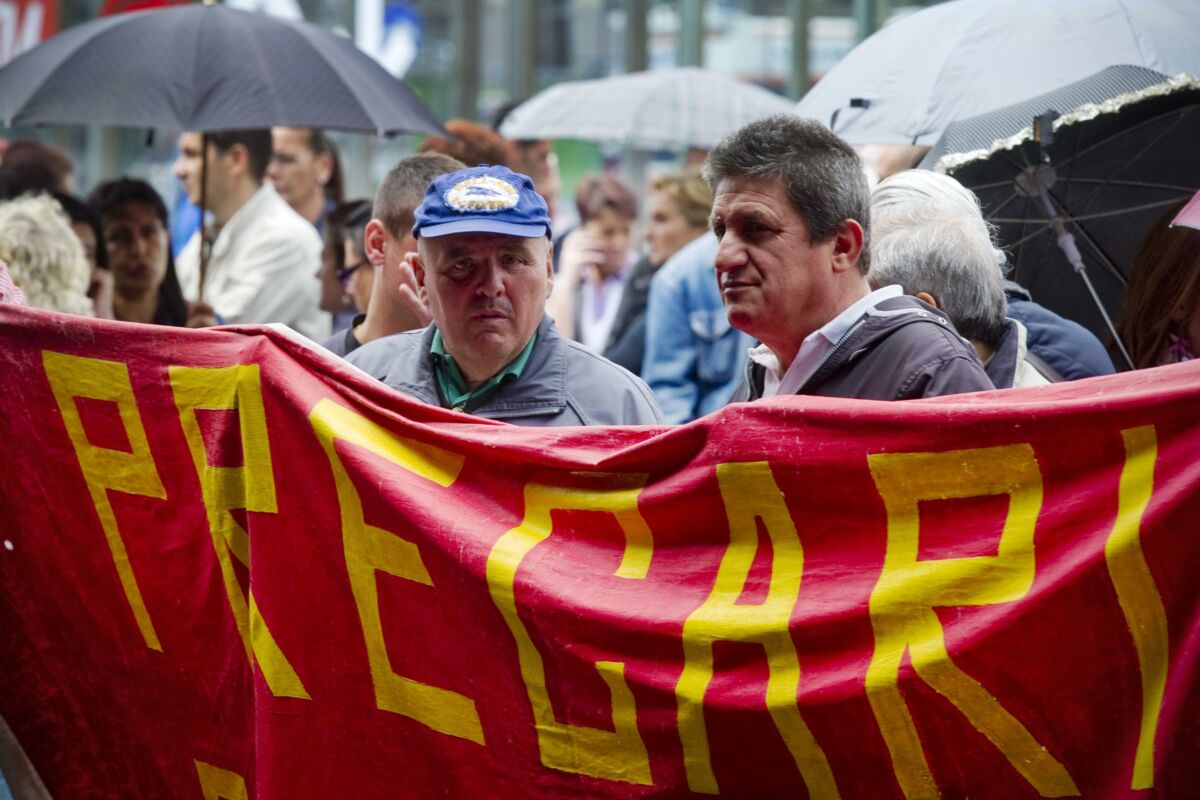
[484, 265]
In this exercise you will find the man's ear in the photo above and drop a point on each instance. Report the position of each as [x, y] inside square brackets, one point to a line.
[325, 162]
[419, 273]
[549, 267]
[928, 298]
[847, 246]
[375, 237]
[238, 158]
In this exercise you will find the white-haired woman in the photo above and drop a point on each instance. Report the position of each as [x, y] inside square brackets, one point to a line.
[44, 256]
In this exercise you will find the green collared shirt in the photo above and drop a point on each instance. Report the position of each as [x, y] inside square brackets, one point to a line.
[453, 386]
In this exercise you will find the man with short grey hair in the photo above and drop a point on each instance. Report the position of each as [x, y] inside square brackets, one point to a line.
[929, 236]
[790, 210]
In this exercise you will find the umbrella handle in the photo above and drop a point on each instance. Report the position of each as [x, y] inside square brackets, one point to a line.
[204, 243]
[1066, 243]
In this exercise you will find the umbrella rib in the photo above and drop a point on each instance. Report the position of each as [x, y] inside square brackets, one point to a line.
[1134, 159]
[1096, 215]
[1130, 131]
[1042, 227]
[1061, 208]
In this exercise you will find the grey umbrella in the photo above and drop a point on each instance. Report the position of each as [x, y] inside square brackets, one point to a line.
[1074, 194]
[662, 109]
[206, 68]
[962, 58]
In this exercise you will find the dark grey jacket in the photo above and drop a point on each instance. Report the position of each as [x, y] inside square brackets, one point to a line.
[563, 382]
[901, 349]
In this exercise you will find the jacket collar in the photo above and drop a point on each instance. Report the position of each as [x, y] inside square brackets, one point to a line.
[874, 324]
[541, 389]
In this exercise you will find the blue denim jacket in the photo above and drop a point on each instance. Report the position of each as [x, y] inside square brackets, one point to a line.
[694, 359]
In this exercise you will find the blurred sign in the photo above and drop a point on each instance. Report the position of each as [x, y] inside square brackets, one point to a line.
[110, 7]
[24, 23]
[390, 31]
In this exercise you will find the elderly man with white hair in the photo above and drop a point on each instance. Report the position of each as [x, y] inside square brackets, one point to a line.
[930, 237]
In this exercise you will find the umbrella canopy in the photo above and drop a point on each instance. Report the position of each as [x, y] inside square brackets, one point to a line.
[1074, 198]
[206, 68]
[907, 82]
[669, 109]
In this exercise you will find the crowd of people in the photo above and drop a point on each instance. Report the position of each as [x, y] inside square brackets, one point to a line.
[774, 269]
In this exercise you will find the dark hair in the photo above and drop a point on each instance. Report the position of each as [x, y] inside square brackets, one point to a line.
[501, 113]
[403, 188]
[257, 142]
[79, 211]
[320, 142]
[26, 178]
[822, 175]
[595, 193]
[339, 222]
[31, 166]
[106, 198]
[1165, 276]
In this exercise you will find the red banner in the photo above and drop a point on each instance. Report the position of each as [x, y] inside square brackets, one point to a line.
[992, 595]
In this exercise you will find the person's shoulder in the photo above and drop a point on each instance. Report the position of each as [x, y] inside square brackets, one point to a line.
[698, 255]
[377, 356]
[276, 221]
[912, 334]
[600, 383]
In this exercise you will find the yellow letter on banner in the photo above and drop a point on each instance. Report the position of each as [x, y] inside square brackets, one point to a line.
[73, 377]
[1139, 598]
[220, 784]
[620, 754]
[750, 493]
[251, 486]
[370, 549]
[908, 590]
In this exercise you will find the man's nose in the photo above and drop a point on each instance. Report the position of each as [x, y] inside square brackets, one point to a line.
[491, 280]
[730, 255]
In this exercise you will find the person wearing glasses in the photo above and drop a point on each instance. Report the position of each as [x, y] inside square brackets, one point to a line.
[377, 241]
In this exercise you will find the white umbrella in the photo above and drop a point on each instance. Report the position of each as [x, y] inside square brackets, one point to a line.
[968, 57]
[669, 109]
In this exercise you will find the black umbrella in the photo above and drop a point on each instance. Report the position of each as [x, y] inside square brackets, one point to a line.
[1074, 194]
[206, 68]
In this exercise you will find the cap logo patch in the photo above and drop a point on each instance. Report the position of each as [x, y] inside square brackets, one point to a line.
[482, 193]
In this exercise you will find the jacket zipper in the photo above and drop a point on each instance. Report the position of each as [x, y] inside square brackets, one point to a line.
[861, 321]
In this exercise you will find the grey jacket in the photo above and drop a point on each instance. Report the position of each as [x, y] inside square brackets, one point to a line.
[563, 382]
[901, 349]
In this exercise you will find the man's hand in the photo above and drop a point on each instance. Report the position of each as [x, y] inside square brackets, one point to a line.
[201, 315]
[582, 256]
[397, 302]
[412, 295]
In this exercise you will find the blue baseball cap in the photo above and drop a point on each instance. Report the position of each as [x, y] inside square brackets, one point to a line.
[482, 199]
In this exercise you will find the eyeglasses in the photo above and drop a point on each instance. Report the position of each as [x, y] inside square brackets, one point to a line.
[343, 273]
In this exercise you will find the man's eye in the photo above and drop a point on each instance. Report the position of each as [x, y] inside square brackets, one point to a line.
[719, 231]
